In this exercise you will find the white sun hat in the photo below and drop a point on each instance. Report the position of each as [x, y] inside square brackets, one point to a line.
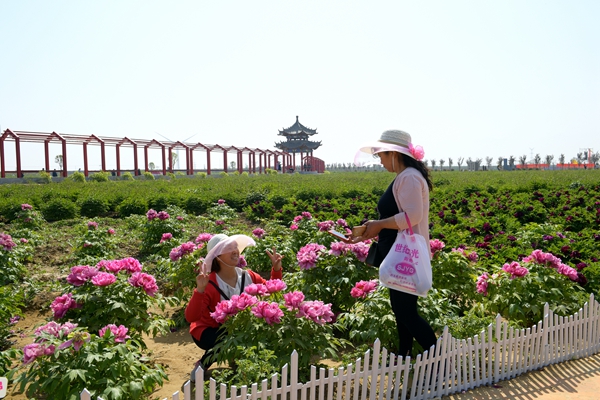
[390, 140]
[221, 244]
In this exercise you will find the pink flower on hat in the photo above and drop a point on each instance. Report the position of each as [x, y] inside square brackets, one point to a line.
[417, 152]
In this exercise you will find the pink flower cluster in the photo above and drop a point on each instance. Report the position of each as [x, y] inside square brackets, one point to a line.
[482, 283]
[227, 308]
[26, 206]
[80, 274]
[55, 329]
[256, 289]
[363, 288]
[203, 237]
[515, 270]
[293, 300]
[152, 214]
[180, 251]
[129, 264]
[41, 347]
[325, 225]
[259, 233]
[436, 245]
[6, 242]
[220, 201]
[145, 281]
[308, 255]
[119, 332]
[360, 249]
[62, 304]
[92, 225]
[550, 260]
[104, 279]
[342, 222]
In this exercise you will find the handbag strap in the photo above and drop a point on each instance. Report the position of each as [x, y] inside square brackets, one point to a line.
[410, 230]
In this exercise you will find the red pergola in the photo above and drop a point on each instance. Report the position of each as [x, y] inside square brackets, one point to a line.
[266, 158]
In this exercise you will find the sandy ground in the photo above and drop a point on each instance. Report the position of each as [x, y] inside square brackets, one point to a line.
[575, 379]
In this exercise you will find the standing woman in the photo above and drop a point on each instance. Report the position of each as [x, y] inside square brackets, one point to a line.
[407, 194]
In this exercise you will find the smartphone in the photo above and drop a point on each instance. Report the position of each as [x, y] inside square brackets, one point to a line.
[337, 234]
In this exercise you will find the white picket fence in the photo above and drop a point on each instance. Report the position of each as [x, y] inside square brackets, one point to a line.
[452, 366]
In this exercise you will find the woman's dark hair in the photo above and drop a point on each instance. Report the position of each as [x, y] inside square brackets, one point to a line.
[419, 166]
[215, 267]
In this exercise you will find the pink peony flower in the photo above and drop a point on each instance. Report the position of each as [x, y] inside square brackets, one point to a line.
[306, 215]
[219, 222]
[119, 332]
[6, 242]
[32, 351]
[77, 340]
[297, 218]
[203, 237]
[104, 279]
[275, 285]
[62, 304]
[256, 289]
[109, 266]
[259, 233]
[271, 312]
[473, 256]
[482, 283]
[360, 250]
[436, 245]
[316, 311]
[338, 248]
[308, 255]
[223, 310]
[220, 201]
[165, 237]
[342, 222]
[293, 299]
[363, 288]
[23, 240]
[92, 225]
[163, 215]
[80, 274]
[151, 214]
[182, 250]
[294, 227]
[515, 270]
[567, 271]
[242, 261]
[130, 264]
[179, 218]
[110, 231]
[145, 281]
[26, 206]
[243, 301]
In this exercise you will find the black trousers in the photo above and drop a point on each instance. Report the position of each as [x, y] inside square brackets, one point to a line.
[208, 340]
[409, 323]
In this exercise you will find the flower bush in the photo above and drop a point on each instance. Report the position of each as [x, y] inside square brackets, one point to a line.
[519, 290]
[267, 318]
[94, 243]
[112, 292]
[159, 223]
[64, 359]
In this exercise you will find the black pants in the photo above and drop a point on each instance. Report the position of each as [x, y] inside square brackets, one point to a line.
[208, 340]
[409, 323]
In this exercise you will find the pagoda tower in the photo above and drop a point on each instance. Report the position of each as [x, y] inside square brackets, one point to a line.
[297, 141]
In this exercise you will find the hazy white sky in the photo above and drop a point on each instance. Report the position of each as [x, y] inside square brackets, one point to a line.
[464, 78]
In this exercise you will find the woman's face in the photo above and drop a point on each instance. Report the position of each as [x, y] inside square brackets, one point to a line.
[386, 158]
[231, 257]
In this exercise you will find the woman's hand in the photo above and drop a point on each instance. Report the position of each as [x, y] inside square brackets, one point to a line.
[275, 259]
[372, 229]
[201, 282]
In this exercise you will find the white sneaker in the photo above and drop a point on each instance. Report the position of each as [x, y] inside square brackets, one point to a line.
[193, 373]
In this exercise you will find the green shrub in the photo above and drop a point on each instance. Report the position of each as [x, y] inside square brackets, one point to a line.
[179, 174]
[171, 175]
[148, 175]
[201, 174]
[101, 176]
[93, 207]
[127, 176]
[196, 205]
[59, 209]
[133, 205]
[78, 177]
[45, 177]
[223, 174]
[159, 203]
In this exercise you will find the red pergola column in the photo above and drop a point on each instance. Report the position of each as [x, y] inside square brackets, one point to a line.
[207, 162]
[85, 159]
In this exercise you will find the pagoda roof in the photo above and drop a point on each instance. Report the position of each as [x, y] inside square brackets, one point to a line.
[294, 146]
[296, 129]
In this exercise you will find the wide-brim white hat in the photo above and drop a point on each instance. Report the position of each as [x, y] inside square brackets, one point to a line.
[390, 140]
[221, 244]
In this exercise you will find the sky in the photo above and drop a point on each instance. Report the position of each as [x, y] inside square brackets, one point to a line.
[470, 79]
